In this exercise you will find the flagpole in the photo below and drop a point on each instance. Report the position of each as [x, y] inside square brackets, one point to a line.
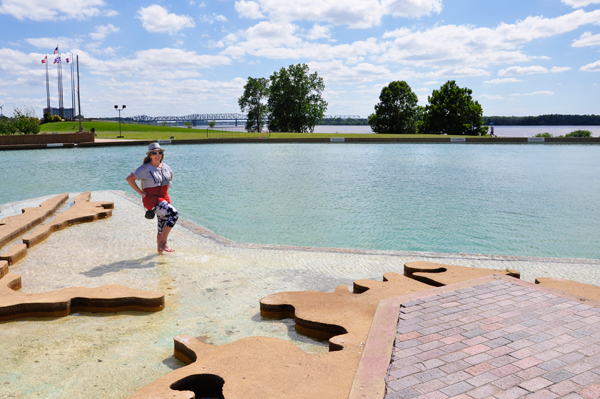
[72, 88]
[48, 87]
[79, 95]
[61, 104]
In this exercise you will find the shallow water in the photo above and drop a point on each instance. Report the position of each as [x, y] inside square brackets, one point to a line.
[212, 291]
[533, 200]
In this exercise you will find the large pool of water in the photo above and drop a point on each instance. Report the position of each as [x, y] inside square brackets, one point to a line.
[537, 200]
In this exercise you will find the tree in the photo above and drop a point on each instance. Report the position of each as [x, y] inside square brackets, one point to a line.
[6, 126]
[256, 91]
[26, 121]
[295, 101]
[47, 118]
[396, 111]
[451, 110]
[188, 124]
[56, 118]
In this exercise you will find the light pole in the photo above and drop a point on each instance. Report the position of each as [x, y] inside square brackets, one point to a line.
[120, 136]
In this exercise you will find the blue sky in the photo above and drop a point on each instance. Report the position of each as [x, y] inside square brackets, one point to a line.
[176, 58]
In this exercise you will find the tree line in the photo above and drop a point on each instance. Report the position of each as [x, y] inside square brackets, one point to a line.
[290, 100]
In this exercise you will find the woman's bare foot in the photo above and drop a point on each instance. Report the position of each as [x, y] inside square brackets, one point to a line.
[165, 248]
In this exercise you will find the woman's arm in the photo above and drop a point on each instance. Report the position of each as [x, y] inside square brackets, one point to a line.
[131, 180]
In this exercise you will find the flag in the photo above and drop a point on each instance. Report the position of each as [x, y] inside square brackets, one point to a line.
[68, 61]
[56, 50]
[57, 60]
[45, 60]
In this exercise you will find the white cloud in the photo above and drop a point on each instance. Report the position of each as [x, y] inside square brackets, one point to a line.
[559, 69]
[535, 93]
[50, 43]
[44, 10]
[214, 17]
[593, 67]
[156, 19]
[517, 71]
[501, 81]
[319, 32]
[586, 40]
[248, 9]
[102, 31]
[490, 97]
[170, 58]
[354, 13]
[14, 61]
[336, 72]
[580, 3]
[448, 51]
[193, 95]
[465, 45]
[227, 40]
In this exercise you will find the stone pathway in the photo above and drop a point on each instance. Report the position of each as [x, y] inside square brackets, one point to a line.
[496, 340]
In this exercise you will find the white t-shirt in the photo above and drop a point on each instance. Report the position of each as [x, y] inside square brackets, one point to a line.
[154, 177]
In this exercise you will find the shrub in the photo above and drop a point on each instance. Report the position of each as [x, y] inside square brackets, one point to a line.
[56, 118]
[580, 133]
[6, 126]
[25, 121]
[545, 134]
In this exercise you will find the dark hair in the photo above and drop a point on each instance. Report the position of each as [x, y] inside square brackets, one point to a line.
[149, 157]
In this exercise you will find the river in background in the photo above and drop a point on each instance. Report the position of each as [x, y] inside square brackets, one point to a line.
[509, 199]
[500, 131]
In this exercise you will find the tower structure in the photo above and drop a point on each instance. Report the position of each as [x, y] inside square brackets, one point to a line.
[61, 105]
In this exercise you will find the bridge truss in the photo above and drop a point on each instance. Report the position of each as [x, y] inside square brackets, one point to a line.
[195, 118]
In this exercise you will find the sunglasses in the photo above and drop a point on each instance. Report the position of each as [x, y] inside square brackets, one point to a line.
[156, 153]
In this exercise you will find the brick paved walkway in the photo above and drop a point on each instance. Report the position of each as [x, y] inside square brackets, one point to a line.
[496, 340]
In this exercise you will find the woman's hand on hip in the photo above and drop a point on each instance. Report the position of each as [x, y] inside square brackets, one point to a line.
[143, 194]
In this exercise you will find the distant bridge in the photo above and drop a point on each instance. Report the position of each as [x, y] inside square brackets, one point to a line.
[195, 118]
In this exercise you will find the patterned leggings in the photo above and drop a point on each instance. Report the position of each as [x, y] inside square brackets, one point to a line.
[166, 215]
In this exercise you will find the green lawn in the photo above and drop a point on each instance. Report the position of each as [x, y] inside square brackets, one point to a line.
[110, 130]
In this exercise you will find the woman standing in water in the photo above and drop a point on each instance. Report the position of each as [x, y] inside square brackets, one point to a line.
[156, 177]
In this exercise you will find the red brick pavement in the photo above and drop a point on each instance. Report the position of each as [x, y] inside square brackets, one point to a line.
[495, 340]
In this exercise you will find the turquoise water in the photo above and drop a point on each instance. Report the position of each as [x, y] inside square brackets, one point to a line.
[538, 200]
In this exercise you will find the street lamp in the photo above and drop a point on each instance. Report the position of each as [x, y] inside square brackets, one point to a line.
[120, 136]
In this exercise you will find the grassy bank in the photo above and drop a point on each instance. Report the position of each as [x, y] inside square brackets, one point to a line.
[110, 130]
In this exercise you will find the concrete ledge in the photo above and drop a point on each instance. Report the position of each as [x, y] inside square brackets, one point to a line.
[82, 211]
[12, 226]
[110, 298]
[34, 147]
[367, 139]
[48, 138]
[16, 252]
[370, 139]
